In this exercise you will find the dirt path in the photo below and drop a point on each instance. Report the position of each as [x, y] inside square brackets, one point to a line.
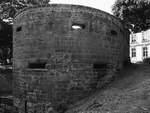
[128, 93]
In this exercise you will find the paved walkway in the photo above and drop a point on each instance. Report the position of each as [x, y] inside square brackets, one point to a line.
[129, 93]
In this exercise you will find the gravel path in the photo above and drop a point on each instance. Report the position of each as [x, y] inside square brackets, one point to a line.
[128, 93]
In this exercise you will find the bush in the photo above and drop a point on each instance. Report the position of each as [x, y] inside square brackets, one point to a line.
[147, 60]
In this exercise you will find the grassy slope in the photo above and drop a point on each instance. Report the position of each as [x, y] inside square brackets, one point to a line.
[128, 93]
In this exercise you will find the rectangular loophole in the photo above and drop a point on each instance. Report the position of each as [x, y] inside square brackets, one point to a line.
[19, 29]
[113, 32]
[99, 66]
[37, 65]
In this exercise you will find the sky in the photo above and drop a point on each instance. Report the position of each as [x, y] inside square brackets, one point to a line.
[104, 5]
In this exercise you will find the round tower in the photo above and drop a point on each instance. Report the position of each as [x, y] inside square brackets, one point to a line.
[62, 53]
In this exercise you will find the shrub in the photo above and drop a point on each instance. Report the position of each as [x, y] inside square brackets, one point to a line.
[147, 60]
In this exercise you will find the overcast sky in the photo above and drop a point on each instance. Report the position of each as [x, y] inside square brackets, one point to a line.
[104, 5]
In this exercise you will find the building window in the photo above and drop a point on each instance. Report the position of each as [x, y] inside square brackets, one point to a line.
[145, 52]
[143, 36]
[133, 38]
[133, 52]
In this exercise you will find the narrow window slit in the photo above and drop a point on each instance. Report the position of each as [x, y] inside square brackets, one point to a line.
[99, 66]
[19, 29]
[113, 32]
[37, 65]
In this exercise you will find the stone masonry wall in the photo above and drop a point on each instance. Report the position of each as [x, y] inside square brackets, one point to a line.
[61, 53]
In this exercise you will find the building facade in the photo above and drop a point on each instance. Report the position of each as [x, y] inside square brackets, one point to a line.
[139, 46]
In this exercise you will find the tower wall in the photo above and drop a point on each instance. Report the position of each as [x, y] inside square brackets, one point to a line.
[62, 53]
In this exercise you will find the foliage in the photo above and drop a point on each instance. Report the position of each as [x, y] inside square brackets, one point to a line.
[136, 13]
[8, 8]
[147, 60]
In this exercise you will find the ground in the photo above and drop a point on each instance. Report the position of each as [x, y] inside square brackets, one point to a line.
[128, 93]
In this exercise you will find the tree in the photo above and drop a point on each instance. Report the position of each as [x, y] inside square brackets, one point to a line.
[5, 42]
[8, 8]
[135, 13]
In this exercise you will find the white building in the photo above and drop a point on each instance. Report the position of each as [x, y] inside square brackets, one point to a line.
[139, 46]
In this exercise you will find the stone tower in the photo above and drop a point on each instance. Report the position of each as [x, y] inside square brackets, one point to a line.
[62, 53]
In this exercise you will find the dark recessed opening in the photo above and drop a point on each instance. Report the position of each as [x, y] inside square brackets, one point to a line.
[99, 66]
[113, 32]
[37, 65]
[77, 26]
[19, 29]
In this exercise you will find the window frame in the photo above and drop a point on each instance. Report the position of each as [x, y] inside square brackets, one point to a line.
[133, 38]
[145, 52]
[133, 52]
